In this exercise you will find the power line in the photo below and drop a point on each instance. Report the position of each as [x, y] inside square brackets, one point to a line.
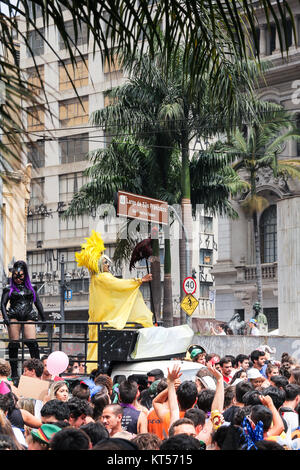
[145, 123]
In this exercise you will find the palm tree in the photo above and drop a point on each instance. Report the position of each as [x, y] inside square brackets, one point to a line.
[160, 110]
[258, 149]
[211, 31]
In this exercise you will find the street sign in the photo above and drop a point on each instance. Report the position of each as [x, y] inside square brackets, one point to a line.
[189, 304]
[68, 294]
[139, 207]
[189, 285]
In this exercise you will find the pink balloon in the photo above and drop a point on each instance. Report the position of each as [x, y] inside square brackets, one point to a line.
[57, 362]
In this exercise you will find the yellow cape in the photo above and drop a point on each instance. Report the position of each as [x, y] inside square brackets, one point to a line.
[115, 301]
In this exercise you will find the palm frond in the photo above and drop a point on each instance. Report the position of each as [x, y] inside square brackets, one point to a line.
[254, 204]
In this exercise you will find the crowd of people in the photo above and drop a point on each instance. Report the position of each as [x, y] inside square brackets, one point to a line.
[244, 402]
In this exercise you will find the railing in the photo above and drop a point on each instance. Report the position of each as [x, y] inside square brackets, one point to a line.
[248, 273]
[52, 341]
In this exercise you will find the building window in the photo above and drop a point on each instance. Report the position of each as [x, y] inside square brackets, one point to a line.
[35, 11]
[73, 227]
[69, 184]
[112, 63]
[82, 35]
[36, 79]
[80, 285]
[35, 40]
[36, 262]
[204, 289]
[69, 259]
[268, 235]
[35, 118]
[73, 112]
[73, 148]
[272, 317]
[36, 192]
[271, 39]
[106, 23]
[36, 154]
[289, 33]
[76, 75]
[35, 228]
[206, 224]
[206, 257]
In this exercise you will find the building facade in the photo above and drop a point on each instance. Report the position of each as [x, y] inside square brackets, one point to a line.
[235, 271]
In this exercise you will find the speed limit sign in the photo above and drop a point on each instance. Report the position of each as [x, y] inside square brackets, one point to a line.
[189, 285]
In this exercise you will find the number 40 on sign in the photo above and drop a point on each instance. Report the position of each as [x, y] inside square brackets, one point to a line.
[189, 285]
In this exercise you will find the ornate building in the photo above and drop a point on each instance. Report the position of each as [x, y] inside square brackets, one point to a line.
[279, 223]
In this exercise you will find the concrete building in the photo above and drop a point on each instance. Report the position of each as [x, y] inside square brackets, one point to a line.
[235, 272]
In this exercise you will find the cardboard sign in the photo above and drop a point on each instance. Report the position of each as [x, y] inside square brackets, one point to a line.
[30, 387]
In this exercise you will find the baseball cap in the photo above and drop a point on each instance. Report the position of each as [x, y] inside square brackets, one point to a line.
[196, 352]
[253, 321]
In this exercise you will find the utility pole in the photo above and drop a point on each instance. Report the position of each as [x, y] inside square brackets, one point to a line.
[65, 280]
[62, 299]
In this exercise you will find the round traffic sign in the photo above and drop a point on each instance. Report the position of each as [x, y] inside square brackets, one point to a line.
[189, 285]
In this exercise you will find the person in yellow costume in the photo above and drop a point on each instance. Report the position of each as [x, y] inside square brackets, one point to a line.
[111, 300]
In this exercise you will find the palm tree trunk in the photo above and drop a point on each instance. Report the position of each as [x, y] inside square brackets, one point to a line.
[256, 242]
[258, 260]
[168, 297]
[185, 255]
[156, 279]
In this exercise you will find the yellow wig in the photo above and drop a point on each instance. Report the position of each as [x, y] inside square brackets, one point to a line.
[90, 253]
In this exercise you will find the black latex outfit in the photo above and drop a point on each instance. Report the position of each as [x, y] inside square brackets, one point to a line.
[21, 309]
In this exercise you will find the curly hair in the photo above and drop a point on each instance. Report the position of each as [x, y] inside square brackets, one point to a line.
[147, 441]
[36, 365]
[104, 379]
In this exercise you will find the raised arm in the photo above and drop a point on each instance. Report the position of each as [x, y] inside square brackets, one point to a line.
[277, 426]
[218, 401]
[159, 404]
[172, 378]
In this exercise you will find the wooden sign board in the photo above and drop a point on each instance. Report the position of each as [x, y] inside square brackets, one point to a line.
[134, 206]
[30, 387]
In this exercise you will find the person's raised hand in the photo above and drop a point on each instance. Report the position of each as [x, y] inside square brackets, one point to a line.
[216, 373]
[266, 400]
[174, 374]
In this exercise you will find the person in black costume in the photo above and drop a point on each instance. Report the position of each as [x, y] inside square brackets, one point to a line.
[21, 296]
